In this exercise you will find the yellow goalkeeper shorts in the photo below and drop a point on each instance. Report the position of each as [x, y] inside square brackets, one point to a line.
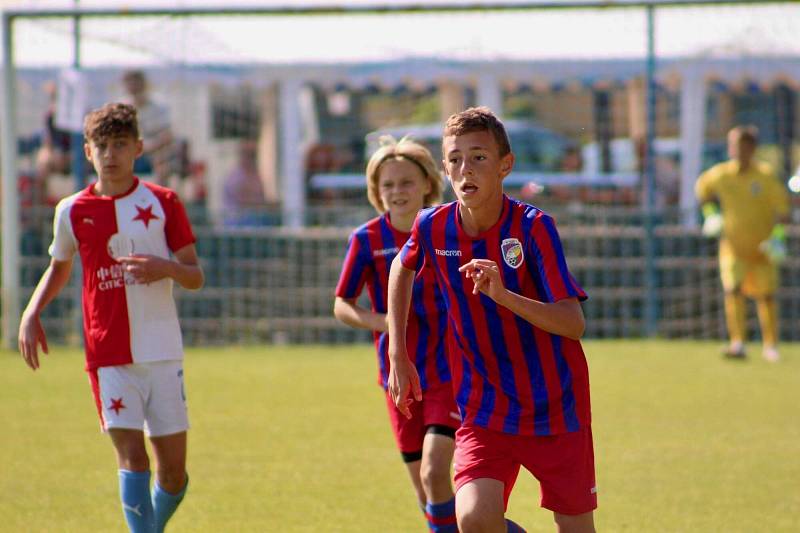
[752, 278]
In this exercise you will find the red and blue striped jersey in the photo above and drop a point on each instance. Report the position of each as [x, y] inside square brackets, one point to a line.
[508, 375]
[370, 252]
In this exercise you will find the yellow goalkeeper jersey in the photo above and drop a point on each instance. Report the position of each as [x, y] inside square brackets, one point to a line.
[751, 203]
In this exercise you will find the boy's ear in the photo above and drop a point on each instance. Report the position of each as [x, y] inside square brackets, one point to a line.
[506, 164]
[139, 147]
[87, 150]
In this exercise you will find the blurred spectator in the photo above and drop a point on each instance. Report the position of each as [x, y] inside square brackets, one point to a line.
[159, 157]
[571, 160]
[53, 156]
[243, 192]
[326, 158]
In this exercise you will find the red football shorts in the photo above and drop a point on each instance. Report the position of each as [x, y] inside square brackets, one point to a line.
[563, 464]
[438, 407]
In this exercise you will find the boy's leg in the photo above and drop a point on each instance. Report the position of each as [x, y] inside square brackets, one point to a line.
[117, 392]
[413, 463]
[733, 272]
[582, 523]
[409, 434]
[735, 309]
[134, 479]
[480, 506]
[167, 422]
[767, 310]
[485, 473]
[564, 466]
[437, 454]
[171, 478]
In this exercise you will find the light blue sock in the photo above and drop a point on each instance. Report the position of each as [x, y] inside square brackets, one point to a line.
[164, 504]
[134, 491]
[442, 516]
[513, 527]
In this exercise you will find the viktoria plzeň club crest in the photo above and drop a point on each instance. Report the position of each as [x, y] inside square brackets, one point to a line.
[512, 252]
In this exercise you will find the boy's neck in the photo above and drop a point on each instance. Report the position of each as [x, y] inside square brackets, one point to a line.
[476, 220]
[105, 187]
[403, 224]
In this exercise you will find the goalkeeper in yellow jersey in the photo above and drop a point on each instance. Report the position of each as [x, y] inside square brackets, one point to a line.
[744, 203]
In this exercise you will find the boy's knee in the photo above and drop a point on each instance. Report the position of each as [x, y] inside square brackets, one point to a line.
[172, 478]
[134, 463]
[432, 473]
[473, 522]
[583, 523]
[131, 455]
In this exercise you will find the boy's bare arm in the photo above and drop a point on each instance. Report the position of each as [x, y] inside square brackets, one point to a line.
[403, 377]
[347, 311]
[564, 317]
[185, 269]
[31, 332]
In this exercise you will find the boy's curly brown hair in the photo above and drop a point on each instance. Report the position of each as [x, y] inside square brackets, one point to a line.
[111, 120]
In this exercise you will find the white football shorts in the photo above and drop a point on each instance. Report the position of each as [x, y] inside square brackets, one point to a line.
[144, 396]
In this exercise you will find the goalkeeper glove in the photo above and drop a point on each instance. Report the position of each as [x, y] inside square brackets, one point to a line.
[775, 246]
[712, 220]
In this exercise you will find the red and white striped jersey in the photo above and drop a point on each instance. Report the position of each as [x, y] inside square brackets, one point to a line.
[123, 321]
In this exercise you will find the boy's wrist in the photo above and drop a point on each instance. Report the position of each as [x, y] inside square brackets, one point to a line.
[504, 298]
[394, 353]
[31, 312]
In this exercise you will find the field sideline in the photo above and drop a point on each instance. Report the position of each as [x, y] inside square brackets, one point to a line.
[295, 439]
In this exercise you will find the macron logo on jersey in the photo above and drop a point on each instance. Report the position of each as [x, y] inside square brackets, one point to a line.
[448, 253]
[385, 251]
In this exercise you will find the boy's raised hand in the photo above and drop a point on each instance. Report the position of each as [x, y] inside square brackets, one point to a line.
[31, 334]
[485, 274]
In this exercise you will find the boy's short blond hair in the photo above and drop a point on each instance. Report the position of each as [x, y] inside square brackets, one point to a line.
[111, 120]
[747, 133]
[479, 119]
[405, 149]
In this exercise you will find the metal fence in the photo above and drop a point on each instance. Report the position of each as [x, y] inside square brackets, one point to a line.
[276, 285]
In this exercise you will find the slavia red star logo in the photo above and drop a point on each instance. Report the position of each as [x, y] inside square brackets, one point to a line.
[145, 214]
[116, 405]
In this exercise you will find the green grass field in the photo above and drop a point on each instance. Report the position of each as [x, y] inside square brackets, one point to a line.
[296, 439]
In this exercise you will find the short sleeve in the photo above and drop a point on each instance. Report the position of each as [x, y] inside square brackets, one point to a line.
[354, 269]
[553, 278]
[411, 254]
[779, 197]
[177, 227]
[64, 244]
[705, 187]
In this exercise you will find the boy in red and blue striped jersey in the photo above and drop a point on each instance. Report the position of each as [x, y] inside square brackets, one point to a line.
[519, 373]
[402, 179]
